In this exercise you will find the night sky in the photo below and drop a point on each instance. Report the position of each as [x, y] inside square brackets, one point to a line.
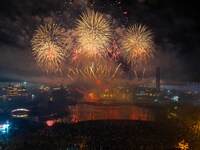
[174, 23]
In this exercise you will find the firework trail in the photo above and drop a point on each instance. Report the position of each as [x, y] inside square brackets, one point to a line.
[95, 72]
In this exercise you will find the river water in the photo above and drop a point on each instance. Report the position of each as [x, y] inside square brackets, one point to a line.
[83, 112]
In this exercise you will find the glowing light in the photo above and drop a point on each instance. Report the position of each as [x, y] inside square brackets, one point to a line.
[4, 128]
[50, 122]
[125, 13]
[98, 82]
[138, 45]
[183, 145]
[74, 118]
[20, 113]
[20, 109]
[93, 34]
[175, 98]
[92, 96]
[32, 96]
[20, 116]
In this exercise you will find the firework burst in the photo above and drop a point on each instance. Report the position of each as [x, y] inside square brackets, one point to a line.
[93, 34]
[49, 47]
[138, 45]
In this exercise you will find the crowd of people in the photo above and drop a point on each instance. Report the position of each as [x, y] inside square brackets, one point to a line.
[103, 134]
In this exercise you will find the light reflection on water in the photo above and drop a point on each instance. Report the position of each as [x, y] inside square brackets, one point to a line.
[83, 112]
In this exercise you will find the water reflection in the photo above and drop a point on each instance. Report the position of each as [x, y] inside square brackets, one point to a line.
[83, 112]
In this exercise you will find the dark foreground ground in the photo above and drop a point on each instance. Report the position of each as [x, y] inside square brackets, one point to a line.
[105, 135]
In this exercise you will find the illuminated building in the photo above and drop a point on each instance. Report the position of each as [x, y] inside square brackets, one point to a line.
[56, 88]
[3, 93]
[117, 94]
[12, 91]
[16, 91]
[22, 91]
[108, 95]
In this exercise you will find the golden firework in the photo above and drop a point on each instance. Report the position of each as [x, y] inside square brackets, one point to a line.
[138, 45]
[49, 47]
[93, 34]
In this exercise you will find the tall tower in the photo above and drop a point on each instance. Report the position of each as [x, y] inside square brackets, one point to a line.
[158, 78]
